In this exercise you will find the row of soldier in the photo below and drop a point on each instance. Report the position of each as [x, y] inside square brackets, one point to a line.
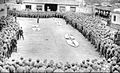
[22, 65]
[100, 35]
[8, 36]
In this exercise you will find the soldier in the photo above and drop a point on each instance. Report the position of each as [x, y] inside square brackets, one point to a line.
[37, 19]
[12, 69]
[13, 44]
[4, 70]
[5, 50]
[20, 69]
[34, 70]
[37, 63]
[49, 69]
[41, 68]
[69, 69]
[107, 56]
[21, 60]
[15, 17]
[27, 69]
[58, 68]
[21, 33]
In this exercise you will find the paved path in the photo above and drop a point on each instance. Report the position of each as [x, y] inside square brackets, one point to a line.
[49, 43]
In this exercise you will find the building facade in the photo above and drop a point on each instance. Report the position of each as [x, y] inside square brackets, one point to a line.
[115, 16]
[47, 5]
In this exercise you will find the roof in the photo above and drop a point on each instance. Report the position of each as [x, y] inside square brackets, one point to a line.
[117, 10]
[104, 8]
[68, 2]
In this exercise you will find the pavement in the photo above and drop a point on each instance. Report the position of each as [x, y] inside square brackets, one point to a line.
[49, 42]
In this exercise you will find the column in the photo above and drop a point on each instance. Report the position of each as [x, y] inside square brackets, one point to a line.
[43, 7]
[58, 8]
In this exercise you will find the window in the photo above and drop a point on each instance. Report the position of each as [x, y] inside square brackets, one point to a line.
[114, 18]
[73, 9]
[28, 7]
[39, 7]
[62, 8]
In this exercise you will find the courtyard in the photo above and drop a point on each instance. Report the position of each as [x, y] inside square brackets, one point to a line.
[49, 42]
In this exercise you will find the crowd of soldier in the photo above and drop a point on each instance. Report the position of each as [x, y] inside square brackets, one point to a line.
[38, 66]
[9, 34]
[100, 35]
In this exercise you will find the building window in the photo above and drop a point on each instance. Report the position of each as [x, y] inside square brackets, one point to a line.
[39, 7]
[73, 9]
[28, 7]
[62, 8]
[114, 18]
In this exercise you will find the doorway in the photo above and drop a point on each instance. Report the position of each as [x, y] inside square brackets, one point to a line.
[50, 7]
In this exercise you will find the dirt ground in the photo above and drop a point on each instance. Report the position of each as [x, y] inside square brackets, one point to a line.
[49, 43]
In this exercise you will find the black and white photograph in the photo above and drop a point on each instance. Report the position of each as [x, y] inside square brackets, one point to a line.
[50, 36]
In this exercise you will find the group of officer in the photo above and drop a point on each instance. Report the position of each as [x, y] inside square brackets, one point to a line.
[100, 35]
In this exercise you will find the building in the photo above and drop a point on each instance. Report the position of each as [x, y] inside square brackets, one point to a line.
[103, 11]
[115, 16]
[47, 5]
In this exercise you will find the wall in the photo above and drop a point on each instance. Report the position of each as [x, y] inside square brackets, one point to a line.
[117, 18]
[17, 6]
[23, 6]
[67, 8]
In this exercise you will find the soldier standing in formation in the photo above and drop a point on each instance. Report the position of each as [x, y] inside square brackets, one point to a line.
[38, 19]
[15, 17]
[21, 33]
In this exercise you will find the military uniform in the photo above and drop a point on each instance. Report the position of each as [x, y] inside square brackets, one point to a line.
[49, 70]
[41, 70]
[34, 70]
